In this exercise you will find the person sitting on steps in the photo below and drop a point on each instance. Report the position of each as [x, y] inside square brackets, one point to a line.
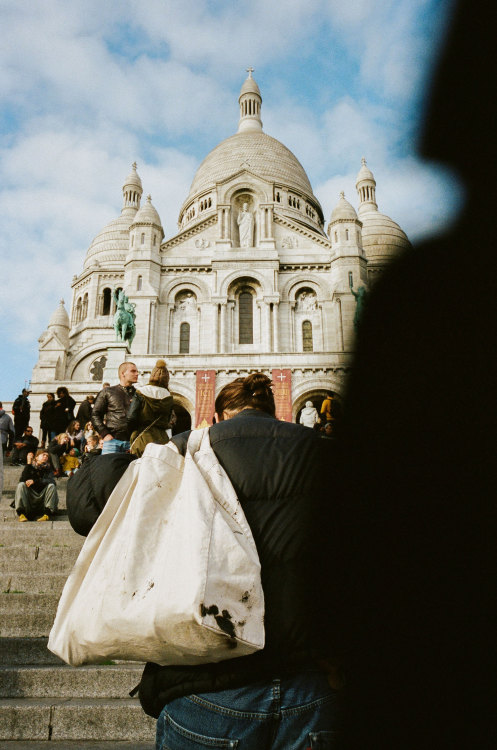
[36, 492]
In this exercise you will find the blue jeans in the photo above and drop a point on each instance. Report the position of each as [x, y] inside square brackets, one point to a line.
[115, 446]
[289, 713]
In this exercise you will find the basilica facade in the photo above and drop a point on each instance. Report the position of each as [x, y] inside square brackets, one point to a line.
[253, 279]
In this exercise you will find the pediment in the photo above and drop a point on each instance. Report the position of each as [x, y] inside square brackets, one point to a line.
[49, 341]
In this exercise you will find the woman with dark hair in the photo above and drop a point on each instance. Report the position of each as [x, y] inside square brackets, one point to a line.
[75, 433]
[279, 697]
[150, 412]
[63, 412]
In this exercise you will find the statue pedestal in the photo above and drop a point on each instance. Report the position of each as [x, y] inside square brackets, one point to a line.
[116, 353]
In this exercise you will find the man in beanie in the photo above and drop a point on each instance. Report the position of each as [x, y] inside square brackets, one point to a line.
[112, 405]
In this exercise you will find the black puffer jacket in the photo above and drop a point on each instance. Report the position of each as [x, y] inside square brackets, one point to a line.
[276, 469]
[89, 488]
[113, 404]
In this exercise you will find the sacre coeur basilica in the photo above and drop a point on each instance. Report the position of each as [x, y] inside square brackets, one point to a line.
[253, 279]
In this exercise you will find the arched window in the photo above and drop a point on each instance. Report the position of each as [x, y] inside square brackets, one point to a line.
[307, 336]
[139, 283]
[79, 308]
[184, 338]
[106, 301]
[245, 318]
[85, 306]
[142, 240]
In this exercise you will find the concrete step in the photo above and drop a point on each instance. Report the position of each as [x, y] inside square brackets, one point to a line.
[34, 558]
[13, 604]
[57, 532]
[75, 745]
[109, 681]
[33, 583]
[75, 719]
[26, 624]
[25, 651]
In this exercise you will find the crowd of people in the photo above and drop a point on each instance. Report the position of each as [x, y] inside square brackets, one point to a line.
[121, 418]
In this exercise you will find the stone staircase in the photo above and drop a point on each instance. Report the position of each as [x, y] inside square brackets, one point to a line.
[43, 702]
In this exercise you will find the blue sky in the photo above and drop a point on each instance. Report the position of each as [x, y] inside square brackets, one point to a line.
[86, 88]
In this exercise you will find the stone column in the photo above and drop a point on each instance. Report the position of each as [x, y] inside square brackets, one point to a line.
[339, 324]
[267, 326]
[222, 333]
[276, 338]
[293, 340]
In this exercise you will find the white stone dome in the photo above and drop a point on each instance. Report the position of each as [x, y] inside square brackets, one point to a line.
[147, 214]
[59, 318]
[112, 243]
[257, 152]
[133, 178]
[381, 236]
[343, 211]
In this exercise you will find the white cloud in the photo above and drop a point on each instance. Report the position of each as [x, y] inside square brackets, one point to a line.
[89, 87]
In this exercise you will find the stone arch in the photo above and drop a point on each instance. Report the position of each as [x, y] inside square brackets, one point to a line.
[292, 286]
[314, 389]
[230, 281]
[79, 369]
[184, 283]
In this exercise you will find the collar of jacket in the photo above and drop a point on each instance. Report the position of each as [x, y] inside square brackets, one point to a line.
[253, 413]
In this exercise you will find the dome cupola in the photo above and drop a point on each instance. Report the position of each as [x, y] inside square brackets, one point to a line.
[250, 101]
[343, 211]
[132, 190]
[366, 188]
[382, 238]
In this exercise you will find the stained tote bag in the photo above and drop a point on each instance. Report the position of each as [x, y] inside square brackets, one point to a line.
[169, 573]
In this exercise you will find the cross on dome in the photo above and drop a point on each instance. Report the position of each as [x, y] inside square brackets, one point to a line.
[249, 71]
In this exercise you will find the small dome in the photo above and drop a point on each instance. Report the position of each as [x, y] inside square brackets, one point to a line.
[147, 214]
[381, 236]
[364, 173]
[133, 178]
[59, 317]
[250, 86]
[343, 210]
[112, 242]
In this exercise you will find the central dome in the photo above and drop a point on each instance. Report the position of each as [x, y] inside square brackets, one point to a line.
[259, 153]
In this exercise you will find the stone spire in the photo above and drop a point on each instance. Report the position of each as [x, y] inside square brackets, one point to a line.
[132, 191]
[250, 101]
[366, 188]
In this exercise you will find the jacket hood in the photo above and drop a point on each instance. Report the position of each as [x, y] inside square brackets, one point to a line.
[308, 409]
[154, 391]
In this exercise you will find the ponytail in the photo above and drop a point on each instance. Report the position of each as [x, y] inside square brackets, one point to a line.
[252, 392]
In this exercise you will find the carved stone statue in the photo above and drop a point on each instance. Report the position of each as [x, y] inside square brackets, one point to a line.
[307, 301]
[187, 302]
[246, 226]
[124, 318]
[360, 297]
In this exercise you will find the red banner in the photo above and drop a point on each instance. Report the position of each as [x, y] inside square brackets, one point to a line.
[282, 389]
[205, 397]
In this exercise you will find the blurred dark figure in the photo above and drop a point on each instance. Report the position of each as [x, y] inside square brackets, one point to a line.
[414, 554]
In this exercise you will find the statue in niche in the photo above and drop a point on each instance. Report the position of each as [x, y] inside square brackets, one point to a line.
[245, 222]
[187, 302]
[124, 318]
[307, 301]
[360, 298]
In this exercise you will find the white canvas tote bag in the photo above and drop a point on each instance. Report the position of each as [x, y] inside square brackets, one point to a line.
[169, 573]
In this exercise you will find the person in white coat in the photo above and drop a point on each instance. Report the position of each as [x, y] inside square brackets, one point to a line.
[309, 415]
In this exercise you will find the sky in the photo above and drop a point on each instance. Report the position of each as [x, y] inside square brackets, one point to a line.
[88, 87]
